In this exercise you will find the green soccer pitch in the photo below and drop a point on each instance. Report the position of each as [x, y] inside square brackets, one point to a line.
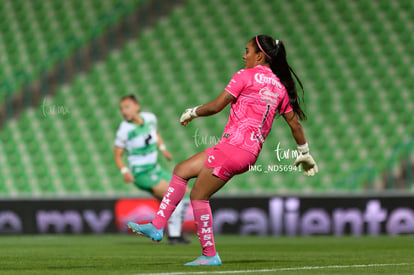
[130, 254]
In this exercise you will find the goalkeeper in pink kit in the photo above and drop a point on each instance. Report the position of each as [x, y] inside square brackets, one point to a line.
[256, 94]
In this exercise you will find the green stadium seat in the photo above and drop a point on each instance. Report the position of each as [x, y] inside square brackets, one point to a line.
[356, 78]
[35, 30]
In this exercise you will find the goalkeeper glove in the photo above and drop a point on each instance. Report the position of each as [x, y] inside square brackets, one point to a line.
[310, 168]
[188, 115]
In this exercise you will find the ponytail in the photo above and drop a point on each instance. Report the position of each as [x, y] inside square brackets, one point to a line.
[275, 55]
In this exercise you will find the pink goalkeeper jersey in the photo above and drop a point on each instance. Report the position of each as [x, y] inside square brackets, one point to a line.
[258, 95]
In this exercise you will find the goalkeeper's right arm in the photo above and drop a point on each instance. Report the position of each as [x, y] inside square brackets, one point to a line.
[310, 168]
[208, 109]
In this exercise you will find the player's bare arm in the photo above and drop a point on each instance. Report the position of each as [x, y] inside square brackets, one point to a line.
[118, 152]
[162, 147]
[296, 127]
[216, 105]
[309, 165]
[208, 109]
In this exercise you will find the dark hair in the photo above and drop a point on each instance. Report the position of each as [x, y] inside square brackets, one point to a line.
[132, 97]
[275, 55]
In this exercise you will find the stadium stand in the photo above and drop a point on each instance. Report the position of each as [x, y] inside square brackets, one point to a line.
[35, 34]
[354, 58]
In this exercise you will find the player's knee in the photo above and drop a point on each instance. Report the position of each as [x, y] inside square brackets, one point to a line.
[193, 195]
[180, 170]
[177, 169]
[197, 194]
[157, 193]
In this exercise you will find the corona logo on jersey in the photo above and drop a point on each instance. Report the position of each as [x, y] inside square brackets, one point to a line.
[143, 211]
[262, 79]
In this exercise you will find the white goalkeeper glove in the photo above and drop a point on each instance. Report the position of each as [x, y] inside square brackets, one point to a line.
[310, 168]
[188, 115]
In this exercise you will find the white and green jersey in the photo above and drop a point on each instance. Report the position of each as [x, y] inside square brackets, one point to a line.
[140, 142]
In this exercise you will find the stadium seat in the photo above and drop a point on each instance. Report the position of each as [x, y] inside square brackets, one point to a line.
[356, 80]
[39, 33]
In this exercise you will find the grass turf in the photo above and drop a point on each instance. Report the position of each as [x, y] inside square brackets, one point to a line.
[129, 254]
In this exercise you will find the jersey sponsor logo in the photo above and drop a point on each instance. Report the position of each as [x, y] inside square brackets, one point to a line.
[262, 79]
[268, 96]
[256, 137]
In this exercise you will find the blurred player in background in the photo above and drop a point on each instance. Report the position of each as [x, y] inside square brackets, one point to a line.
[138, 135]
[256, 94]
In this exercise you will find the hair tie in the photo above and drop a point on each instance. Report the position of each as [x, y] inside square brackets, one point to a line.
[260, 47]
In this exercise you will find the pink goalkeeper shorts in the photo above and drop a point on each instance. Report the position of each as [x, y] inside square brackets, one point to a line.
[228, 160]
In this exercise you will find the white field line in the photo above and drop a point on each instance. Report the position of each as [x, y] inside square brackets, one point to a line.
[279, 269]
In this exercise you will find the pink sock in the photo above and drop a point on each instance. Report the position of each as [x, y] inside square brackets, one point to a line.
[204, 225]
[172, 197]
